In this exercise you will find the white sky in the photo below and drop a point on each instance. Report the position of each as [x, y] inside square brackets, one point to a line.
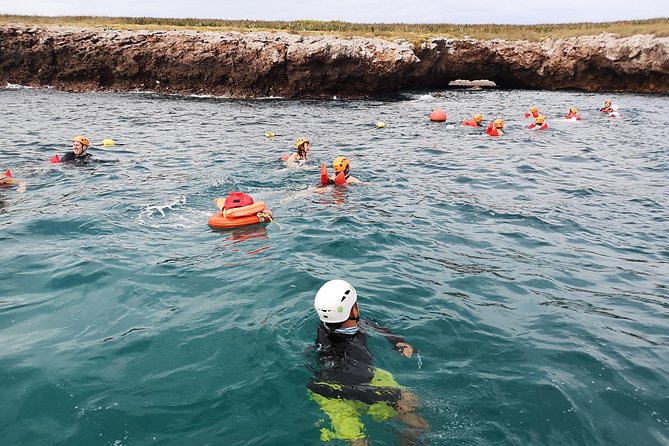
[361, 11]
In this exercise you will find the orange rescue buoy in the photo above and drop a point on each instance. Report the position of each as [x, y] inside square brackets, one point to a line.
[240, 216]
[438, 115]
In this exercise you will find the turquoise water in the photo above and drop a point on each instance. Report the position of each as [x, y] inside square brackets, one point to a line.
[530, 270]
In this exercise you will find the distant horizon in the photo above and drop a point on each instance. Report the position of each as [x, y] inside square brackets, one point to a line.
[510, 12]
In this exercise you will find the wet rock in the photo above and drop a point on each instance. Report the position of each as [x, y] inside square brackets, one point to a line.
[257, 64]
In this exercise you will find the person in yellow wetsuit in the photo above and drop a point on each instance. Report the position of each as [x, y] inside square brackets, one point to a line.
[347, 384]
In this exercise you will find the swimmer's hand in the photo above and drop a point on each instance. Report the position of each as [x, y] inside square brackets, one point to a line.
[404, 348]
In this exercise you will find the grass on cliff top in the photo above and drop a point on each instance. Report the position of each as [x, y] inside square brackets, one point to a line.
[415, 33]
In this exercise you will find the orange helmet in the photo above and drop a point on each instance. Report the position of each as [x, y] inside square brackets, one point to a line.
[573, 111]
[81, 139]
[340, 164]
[498, 123]
[478, 118]
[539, 119]
[534, 110]
[608, 103]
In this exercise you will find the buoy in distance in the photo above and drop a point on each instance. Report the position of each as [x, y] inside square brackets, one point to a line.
[108, 142]
[438, 115]
[380, 125]
[269, 134]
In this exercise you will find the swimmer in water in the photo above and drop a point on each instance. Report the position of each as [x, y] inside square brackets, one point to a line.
[348, 385]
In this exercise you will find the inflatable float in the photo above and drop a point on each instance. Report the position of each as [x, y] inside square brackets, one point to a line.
[438, 115]
[238, 210]
[7, 179]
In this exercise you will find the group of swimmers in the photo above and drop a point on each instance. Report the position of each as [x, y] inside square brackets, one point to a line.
[341, 164]
[347, 385]
[496, 127]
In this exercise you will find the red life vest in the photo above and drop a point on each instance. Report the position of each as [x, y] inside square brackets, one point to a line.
[470, 123]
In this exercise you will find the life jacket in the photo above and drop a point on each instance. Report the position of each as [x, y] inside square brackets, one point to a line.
[470, 123]
[340, 178]
[237, 199]
[573, 116]
[543, 127]
[496, 132]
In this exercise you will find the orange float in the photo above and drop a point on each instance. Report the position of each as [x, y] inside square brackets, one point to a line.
[240, 216]
[438, 115]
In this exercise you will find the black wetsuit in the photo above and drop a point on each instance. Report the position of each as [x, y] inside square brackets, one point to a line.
[347, 363]
[77, 160]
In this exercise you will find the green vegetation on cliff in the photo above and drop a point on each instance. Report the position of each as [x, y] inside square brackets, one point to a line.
[412, 32]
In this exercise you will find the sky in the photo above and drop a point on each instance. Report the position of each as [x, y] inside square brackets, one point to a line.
[358, 11]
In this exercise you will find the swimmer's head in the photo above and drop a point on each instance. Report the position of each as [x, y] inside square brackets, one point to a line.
[478, 118]
[498, 123]
[341, 164]
[80, 145]
[301, 142]
[334, 301]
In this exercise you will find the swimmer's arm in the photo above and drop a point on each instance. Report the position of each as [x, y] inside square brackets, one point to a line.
[397, 341]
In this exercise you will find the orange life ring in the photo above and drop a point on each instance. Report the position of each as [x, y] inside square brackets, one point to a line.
[220, 221]
[244, 211]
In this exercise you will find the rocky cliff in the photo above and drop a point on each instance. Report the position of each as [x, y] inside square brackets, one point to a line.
[280, 64]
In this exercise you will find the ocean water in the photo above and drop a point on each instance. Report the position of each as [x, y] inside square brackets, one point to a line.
[531, 270]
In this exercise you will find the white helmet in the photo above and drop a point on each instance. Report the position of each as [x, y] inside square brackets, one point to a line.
[334, 301]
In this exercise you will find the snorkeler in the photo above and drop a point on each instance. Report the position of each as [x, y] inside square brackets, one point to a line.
[302, 147]
[79, 154]
[474, 122]
[347, 384]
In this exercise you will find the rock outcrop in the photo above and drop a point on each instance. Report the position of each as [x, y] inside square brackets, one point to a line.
[257, 64]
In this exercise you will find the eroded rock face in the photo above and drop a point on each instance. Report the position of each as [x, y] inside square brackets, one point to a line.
[590, 63]
[281, 64]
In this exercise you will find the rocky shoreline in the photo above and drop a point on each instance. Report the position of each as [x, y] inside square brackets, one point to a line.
[263, 64]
